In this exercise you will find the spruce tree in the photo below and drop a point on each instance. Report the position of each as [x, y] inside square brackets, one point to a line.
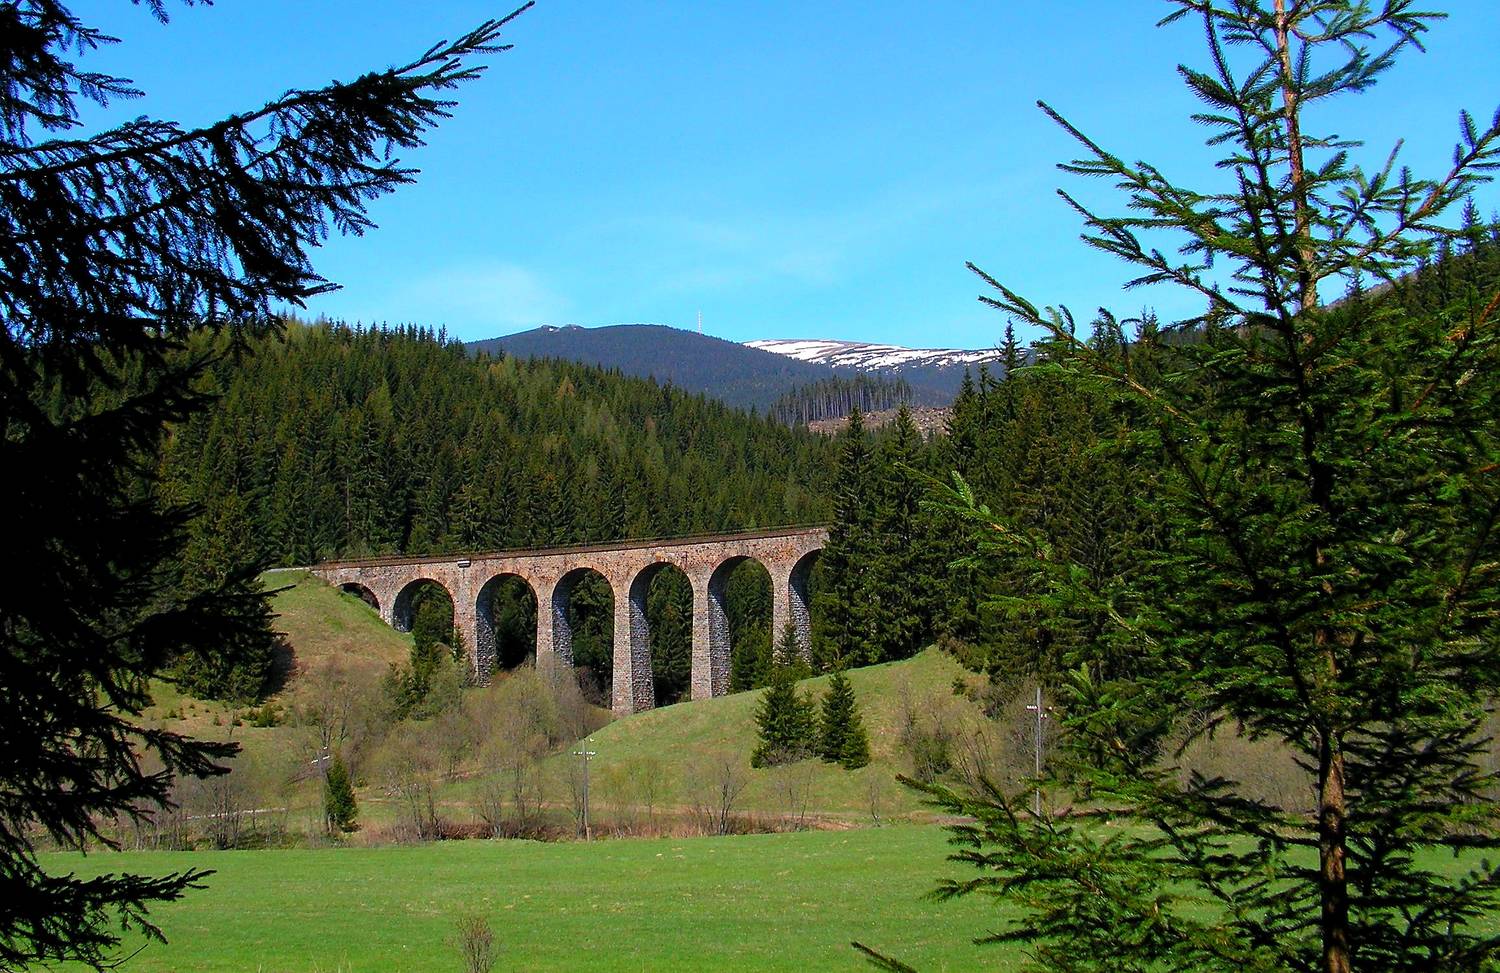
[903, 558]
[961, 444]
[841, 732]
[1012, 356]
[750, 661]
[785, 721]
[855, 752]
[118, 247]
[849, 603]
[1321, 499]
[340, 812]
[788, 653]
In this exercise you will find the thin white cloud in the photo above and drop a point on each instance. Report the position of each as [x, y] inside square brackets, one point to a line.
[738, 250]
[473, 296]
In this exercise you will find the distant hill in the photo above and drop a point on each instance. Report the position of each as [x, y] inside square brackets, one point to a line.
[756, 374]
[723, 370]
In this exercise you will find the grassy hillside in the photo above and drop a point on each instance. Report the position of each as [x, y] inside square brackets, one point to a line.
[755, 902]
[676, 744]
[322, 628]
[322, 625]
[683, 742]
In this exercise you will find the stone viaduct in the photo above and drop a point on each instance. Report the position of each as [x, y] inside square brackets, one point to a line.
[471, 579]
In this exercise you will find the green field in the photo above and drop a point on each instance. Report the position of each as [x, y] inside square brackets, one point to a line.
[755, 902]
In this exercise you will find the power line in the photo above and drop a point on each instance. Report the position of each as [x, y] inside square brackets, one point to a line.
[1041, 714]
[585, 753]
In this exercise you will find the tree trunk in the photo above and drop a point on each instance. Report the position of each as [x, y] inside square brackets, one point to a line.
[1332, 882]
[1307, 283]
[1333, 885]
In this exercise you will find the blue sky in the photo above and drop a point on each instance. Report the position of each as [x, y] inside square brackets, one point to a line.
[789, 169]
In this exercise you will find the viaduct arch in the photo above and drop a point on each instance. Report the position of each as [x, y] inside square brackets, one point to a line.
[470, 580]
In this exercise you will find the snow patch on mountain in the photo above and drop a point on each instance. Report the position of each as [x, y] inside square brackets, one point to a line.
[868, 356]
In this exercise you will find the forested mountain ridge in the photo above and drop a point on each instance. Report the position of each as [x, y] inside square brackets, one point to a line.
[730, 372]
[737, 374]
[331, 442]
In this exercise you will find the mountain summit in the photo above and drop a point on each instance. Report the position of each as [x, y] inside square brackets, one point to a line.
[725, 370]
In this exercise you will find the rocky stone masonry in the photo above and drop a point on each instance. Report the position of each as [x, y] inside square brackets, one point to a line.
[470, 580]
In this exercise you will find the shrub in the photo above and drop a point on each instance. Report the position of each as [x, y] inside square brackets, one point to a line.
[475, 940]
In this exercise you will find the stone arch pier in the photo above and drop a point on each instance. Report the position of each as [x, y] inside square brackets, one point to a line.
[470, 579]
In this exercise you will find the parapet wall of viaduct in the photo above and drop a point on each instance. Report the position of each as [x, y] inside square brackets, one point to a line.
[471, 579]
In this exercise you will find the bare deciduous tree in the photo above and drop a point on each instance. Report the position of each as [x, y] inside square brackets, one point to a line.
[407, 773]
[717, 784]
[793, 783]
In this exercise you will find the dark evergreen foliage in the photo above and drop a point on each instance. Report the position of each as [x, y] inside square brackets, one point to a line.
[848, 603]
[888, 587]
[908, 572]
[669, 611]
[113, 248]
[841, 731]
[340, 811]
[340, 442]
[785, 719]
[748, 612]
[513, 605]
[591, 616]
[750, 662]
[839, 395]
[1045, 452]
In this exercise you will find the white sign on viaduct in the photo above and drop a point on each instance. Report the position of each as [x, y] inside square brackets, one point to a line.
[471, 580]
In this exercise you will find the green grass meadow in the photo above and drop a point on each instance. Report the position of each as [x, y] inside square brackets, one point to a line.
[755, 902]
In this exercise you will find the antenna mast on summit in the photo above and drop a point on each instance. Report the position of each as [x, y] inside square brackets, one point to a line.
[700, 322]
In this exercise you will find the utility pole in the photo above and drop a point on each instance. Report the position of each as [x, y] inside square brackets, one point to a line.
[584, 753]
[1041, 714]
